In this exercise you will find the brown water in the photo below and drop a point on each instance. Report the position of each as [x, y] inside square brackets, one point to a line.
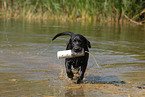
[29, 67]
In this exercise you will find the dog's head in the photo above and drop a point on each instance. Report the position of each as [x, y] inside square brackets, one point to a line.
[78, 43]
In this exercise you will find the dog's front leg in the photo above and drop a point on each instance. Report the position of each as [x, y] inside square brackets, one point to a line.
[82, 72]
[68, 69]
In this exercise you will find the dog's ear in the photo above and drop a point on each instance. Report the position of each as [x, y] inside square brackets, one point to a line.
[69, 45]
[89, 44]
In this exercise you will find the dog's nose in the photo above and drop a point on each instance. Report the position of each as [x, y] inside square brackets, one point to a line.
[77, 49]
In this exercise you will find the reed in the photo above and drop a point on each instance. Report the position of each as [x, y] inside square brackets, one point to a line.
[79, 10]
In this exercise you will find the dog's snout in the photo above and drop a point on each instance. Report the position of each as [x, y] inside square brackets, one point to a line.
[77, 49]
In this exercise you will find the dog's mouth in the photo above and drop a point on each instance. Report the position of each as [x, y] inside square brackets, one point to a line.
[78, 51]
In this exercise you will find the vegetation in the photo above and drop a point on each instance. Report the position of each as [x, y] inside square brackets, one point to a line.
[85, 10]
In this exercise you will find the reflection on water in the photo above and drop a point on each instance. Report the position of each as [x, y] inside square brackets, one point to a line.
[74, 93]
[29, 67]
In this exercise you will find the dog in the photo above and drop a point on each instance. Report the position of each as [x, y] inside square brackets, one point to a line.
[76, 43]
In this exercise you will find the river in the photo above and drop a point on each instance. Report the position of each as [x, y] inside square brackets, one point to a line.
[29, 66]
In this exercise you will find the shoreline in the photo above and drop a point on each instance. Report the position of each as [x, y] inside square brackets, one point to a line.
[86, 11]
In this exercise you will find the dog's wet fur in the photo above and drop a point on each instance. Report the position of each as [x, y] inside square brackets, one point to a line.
[76, 43]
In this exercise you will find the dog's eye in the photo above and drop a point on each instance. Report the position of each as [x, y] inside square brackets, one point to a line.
[74, 40]
[79, 41]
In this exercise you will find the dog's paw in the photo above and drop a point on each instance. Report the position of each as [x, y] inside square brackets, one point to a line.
[79, 81]
[70, 74]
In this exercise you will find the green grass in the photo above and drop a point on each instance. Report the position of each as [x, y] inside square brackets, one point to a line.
[77, 10]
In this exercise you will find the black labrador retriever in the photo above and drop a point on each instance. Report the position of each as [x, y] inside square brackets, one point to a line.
[77, 43]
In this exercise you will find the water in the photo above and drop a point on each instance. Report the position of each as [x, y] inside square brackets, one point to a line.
[29, 67]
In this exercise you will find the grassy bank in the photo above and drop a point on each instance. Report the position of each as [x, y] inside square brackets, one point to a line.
[83, 10]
